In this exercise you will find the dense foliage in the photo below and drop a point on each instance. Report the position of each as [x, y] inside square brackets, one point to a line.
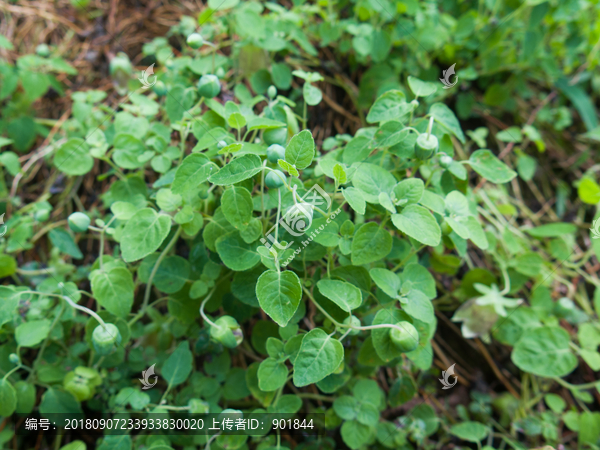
[196, 222]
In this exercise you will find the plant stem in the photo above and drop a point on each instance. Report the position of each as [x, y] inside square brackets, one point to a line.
[152, 274]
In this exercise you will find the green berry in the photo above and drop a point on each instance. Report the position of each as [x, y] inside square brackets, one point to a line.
[43, 50]
[78, 387]
[227, 331]
[203, 192]
[159, 88]
[426, 146]
[405, 337]
[274, 179]
[79, 222]
[195, 41]
[354, 321]
[209, 86]
[272, 92]
[106, 338]
[446, 229]
[275, 152]
[221, 144]
[275, 136]
[42, 215]
[14, 358]
[445, 161]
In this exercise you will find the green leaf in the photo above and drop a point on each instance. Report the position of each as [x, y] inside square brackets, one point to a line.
[485, 163]
[170, 276]
[178, 101]
[236, 120]
[300, 151]
[8, 265]
[73, 157]
[62, 240]
[545, 351]
[410, 190]
[421, 88]
[236, 253]
[240, 169]
[236, 204]
[339, 174]
[55, 402]
[470, 431]
[319, 356]
[445, 117]
[144, 233]
[113, 290]
[193, 170]
[418, 223]
[355, 199]
[419, 306]
[370, 243]
[123, 442]
[420, 278]
[30, 334]
[262, 123]
[312, 94]
[130, 152]
[390, 105]
[511, 134]
[272, 374]
[588, 191]
[279, 295]
[178, 365]
[371, 180]
[355, 434]
[10, 160]
[386, 280]
[343, 294]
[8, 398]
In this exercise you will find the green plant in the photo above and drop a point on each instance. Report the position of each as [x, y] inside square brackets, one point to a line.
[213, 255]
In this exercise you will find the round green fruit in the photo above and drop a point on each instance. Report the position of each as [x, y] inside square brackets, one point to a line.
[227, 331]
[275, 152]
[275, 136]
[405, 337]
[106, 338]
[159, 88]
[445, 161]
[355, 322]
[426, 146]
[195, 41]
[79, 222]
[209, 86]
[43, 50]
[274, 179]
[446, 229]
[272, 92]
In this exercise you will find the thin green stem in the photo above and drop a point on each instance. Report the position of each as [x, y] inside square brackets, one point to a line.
[152, 274]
